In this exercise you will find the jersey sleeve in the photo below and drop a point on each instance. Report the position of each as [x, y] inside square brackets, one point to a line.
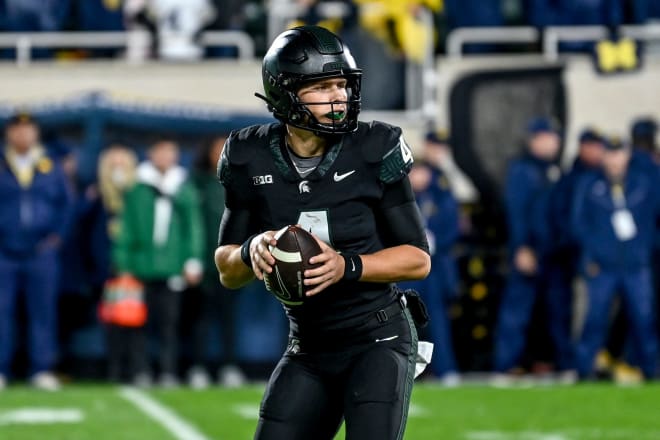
[385, 144]
[236, 222]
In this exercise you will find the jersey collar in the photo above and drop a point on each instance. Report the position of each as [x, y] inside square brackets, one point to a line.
[283, 162]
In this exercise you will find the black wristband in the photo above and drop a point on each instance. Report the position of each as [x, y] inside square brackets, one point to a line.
[245, 251]
[352, 267]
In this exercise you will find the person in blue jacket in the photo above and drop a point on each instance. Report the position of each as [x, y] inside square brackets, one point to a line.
[35, 207]
[439, 210]
[614, 217]
[534, 274]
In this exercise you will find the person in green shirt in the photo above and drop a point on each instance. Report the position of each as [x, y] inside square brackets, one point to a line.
[161, 242]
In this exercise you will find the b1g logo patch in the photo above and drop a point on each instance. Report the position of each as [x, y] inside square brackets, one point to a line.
[262, 180]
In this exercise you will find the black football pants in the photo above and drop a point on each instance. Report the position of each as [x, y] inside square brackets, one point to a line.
[366, 382]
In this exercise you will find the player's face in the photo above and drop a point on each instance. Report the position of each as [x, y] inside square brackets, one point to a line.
[420, 177]
[326, 99]
[545, 145]
[164, 155]
[591, 153]
[616, 162]
[216, 150]
[22, 136]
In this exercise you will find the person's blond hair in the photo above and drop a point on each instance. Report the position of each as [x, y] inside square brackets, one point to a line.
[112, 192]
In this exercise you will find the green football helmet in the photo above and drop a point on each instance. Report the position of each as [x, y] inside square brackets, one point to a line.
[299, 56]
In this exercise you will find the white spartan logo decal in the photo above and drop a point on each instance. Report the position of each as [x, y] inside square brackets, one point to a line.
[303, 187]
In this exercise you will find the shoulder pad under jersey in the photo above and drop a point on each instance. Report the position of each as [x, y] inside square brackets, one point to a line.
[240, 147]
[384, 144]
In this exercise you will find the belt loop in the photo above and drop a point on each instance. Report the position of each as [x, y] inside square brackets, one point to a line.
[381, 315]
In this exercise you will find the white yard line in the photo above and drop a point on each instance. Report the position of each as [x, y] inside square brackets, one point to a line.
[248, 411]
[41, 416]
[167, 418]
[499, 435]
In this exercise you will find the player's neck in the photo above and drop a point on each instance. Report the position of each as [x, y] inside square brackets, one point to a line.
[304, 143]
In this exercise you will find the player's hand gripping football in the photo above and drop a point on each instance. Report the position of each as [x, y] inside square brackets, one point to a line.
[330, 271]
[262, 260]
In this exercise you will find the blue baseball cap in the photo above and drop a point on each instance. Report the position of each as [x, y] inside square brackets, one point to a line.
[644, 127]
[590, 134]
[542, 125]
[614, 143]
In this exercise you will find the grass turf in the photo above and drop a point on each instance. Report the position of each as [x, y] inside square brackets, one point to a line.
[582, 412]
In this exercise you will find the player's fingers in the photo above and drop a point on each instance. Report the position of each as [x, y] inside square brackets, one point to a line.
[314, 280]
[257, 271]
[265, 254]
[317, 271]
[319, 288]
[264, 267]
[322, 257]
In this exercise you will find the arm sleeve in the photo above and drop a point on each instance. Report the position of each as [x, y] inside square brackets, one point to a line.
[518, 193]
[399, 217]
[580, 224]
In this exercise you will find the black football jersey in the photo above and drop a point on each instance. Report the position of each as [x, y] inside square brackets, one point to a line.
[338, 202]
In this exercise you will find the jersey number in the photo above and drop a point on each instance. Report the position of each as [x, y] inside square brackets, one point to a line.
[317, 223]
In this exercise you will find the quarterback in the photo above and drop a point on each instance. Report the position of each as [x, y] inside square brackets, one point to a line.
[353, 343]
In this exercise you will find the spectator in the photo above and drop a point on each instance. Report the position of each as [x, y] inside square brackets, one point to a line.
[116, 175]
[437, 152]
[645, 153]
[533, 275]
[34, 16]
[614, 219]
[160, 242]
[35, 209]
[477, 13]
[440, 212]
[217, 303]
[100, 15]
[177, 25]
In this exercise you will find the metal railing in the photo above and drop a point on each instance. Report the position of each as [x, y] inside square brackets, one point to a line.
[24, 42]
[461, 36]
[551, 36]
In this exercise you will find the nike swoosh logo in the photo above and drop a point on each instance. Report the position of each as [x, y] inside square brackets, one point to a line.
[387, 339]
[340, 177]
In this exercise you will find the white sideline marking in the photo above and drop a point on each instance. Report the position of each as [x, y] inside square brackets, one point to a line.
[417, 411]
[248, 411]
[41, 416]
[177, 426]
[528, 435]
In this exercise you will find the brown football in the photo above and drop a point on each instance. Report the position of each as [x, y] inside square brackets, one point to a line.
[294, 248]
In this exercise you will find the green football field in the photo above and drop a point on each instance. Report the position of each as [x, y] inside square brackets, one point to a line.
[92, 412]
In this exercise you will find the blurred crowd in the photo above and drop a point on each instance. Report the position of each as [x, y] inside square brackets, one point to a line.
[399, 25]
[135, 239]
[141, 238]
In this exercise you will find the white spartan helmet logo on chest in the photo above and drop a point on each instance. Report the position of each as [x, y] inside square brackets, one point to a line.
[303, 187]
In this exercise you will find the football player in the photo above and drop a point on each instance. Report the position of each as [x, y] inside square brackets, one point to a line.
[352, 349]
